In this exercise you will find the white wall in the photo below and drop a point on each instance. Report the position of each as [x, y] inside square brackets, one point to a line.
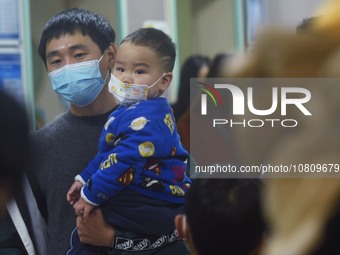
[290, 13]
[213, 30]
[46, 101]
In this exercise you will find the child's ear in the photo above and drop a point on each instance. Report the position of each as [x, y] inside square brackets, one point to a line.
[165, 81]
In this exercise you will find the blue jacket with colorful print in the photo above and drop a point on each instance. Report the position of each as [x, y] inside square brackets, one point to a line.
[139, 149]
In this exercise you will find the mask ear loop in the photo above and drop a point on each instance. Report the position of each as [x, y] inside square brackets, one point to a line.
[102, 56]
[107, 74]
[156, 95]
[108, 70]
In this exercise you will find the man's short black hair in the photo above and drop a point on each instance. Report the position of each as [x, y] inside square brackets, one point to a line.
[73, 20]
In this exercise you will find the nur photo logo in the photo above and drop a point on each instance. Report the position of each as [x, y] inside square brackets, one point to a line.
[213, 94]
[241, 102]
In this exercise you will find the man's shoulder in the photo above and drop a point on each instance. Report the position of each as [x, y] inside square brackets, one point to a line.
[50, 127]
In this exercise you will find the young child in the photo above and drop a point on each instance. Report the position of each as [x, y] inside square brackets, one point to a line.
[138, 177]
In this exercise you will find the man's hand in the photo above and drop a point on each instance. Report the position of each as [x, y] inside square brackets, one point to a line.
[95, 230]
[83, 209]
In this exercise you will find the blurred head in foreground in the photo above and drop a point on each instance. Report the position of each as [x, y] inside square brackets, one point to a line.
[14, 130]
[223, 215]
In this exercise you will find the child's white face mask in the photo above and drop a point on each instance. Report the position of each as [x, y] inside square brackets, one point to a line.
[126, 93]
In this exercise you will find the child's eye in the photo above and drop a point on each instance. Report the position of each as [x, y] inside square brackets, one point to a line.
[119, 69]
[139, 71]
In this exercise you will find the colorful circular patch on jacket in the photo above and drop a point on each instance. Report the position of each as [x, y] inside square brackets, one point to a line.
[146, 149]
[138, 123]
[110, 138]
[169, 122]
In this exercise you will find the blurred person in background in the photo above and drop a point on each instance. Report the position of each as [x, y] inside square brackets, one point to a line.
[219, 65]
[195, 66]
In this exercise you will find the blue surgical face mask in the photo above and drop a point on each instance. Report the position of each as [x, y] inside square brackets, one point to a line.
[78, 83]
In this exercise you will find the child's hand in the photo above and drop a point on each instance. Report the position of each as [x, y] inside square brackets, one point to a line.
[83, 209]
[73, 194]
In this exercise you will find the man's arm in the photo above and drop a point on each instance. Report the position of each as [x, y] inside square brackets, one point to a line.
[95, 230]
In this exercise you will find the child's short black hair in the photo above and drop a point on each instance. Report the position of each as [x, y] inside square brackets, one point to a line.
[156, 40]
[72, 20]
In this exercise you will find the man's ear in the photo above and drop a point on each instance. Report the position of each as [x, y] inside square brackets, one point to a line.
[165, 81]
[112, 53]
